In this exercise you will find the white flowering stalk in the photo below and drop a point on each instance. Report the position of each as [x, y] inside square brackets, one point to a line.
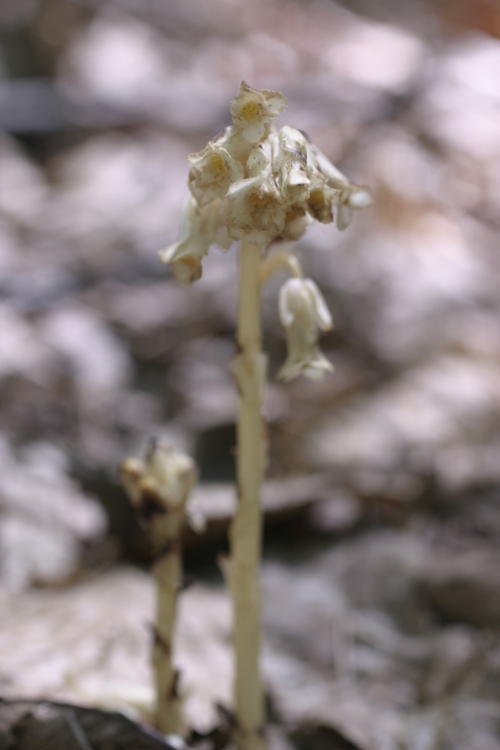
[260, 185]
[158, 487]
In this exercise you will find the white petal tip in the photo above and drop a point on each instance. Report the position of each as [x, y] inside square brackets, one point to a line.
[360, 199]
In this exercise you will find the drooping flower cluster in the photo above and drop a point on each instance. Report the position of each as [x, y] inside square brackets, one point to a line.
[256, 183]
[262, 185]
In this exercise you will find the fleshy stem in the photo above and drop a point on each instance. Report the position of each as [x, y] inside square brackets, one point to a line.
[168, 575]
[248, 367]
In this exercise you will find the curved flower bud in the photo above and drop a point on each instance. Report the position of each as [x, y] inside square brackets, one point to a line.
[198, 232]
[212, 172]
[303, 314]
[254, 111]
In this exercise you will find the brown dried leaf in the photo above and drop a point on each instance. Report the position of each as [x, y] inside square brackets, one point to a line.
[30, 725]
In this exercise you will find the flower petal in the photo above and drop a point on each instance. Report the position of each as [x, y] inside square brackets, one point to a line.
[344, 216]
[275, 101]
[212, 172]
[360, 198]
[324, 318]
[199, 227]
[253, 111]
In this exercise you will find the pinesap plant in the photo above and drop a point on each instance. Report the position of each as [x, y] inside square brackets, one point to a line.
[262, 187]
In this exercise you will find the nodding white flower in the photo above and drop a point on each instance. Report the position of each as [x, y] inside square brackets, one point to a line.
[256, 209]
[322, 164]
[212, 172]
[201, 227]
[161, 481]
[254, 111]
[348, 195]
[303, 314]
[321, 199]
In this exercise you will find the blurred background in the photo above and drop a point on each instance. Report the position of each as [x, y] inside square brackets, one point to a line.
[381, 587]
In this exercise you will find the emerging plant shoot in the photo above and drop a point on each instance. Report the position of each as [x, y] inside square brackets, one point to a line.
[158, 487]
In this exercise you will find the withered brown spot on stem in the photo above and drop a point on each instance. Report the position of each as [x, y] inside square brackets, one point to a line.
[173, 692]
[159, 642]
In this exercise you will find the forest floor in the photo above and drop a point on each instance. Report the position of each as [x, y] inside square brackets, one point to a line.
[380, 576]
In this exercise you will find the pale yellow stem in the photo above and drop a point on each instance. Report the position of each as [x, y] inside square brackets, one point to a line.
[168, 576]
[280, 262]
[246, 529]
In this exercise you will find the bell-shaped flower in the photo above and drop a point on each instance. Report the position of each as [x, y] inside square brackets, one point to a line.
[348, 195]
[303, 314]
[200, 228]
[256, 210]
[321, 199]
[322, 164]
[212, 172]
[254, 111]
